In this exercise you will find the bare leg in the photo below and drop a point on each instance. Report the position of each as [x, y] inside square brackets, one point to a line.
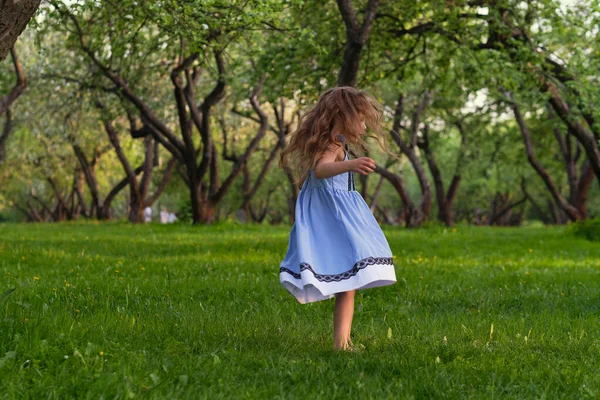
[342, 319]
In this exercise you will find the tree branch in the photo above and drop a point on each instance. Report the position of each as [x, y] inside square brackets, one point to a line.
[20, 85]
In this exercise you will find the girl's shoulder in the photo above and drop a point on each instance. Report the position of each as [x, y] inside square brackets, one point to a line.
[338, 150]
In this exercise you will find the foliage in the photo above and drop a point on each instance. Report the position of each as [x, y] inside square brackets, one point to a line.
[589, 229]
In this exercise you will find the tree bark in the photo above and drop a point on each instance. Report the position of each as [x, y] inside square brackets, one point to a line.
[357, 35]
[14, 17]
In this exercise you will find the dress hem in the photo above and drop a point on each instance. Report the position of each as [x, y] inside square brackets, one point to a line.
[308, 287]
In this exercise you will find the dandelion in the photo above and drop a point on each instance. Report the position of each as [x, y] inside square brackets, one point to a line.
[101, 354]
[67, 284]
[77, 311]
[26, 320]
[36, 278]
[531, 250]
[527, 273]
[143, 269]
[54, 289]
[117, 271]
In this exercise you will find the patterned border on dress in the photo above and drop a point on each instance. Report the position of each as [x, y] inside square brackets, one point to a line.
[364, 263]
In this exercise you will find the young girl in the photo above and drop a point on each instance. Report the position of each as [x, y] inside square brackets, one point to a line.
[335, 245]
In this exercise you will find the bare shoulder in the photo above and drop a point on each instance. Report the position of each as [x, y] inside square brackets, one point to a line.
[338, 150]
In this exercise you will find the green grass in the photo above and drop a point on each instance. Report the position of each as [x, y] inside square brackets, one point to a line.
[123, 311]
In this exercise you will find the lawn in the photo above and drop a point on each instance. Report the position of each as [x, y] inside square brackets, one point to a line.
[120, 311]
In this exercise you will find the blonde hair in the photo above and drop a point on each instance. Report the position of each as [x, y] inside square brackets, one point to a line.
[313, 135]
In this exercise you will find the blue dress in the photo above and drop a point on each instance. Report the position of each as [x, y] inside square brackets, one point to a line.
[335, 244]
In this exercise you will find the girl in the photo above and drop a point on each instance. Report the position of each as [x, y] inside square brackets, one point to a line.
[335, 245]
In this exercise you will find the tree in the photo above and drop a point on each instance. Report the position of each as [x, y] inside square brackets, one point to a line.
[14, 17]
[574, 206]
[138, 190]
[357, 35]
[8, 99]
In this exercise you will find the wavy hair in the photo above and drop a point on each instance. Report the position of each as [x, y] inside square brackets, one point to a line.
[313, 135]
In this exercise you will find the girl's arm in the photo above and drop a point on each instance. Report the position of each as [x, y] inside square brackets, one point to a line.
[328, 166]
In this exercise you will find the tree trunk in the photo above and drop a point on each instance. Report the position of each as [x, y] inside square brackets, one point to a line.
[357, 36]
[4, 136]
[136, 211]
[14, 17]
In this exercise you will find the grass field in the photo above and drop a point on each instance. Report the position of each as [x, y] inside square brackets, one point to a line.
[119, 311]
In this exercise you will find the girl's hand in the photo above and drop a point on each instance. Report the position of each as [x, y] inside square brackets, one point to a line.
[362, 165]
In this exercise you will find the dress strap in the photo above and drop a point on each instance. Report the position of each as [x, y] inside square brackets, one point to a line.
[351, 185]
[342, 139]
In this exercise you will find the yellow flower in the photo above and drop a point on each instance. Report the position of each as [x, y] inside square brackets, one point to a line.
[77, 311]
[143, 269]
[67, 284]
[531, 250]
[101, 354]
[26, 319]
[116, 270]
[36, 278]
